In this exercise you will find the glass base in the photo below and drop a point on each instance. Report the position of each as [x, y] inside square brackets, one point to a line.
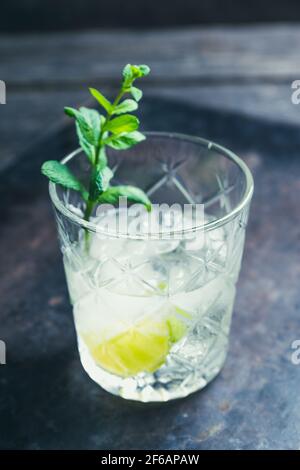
[165, 384]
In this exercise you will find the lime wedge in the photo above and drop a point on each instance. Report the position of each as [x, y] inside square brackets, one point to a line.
[142, 348]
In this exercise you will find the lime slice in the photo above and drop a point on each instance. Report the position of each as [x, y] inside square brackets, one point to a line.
[142, 348]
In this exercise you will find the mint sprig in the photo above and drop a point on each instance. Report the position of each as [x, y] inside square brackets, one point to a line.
[116, 129]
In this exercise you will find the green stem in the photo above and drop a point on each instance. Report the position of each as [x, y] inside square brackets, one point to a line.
[89, 209]
[87, 213]
[90, 204]
[108, 117]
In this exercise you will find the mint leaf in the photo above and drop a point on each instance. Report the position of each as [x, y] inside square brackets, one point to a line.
[143, 70]
[132, 72]
[88, 123]
[101, 99]
[122, 124]
[123, 142]
[99, 182]
[127, 74]
[125, 107]
[60, 174]
[106, 176]
[102, 163]
[88, 149]
[133, 194]
[72, 112]
[136, 93]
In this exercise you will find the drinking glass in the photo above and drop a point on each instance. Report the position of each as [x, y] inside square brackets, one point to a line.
[152, 306]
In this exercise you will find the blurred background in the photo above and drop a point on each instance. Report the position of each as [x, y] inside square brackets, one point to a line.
[54, 15]
[226, 55]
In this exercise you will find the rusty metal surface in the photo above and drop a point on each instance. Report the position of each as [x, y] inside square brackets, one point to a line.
[47, 400]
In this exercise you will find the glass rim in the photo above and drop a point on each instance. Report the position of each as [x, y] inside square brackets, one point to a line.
[207, 226]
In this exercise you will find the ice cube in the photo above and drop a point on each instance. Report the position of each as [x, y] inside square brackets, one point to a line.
[199, 300]
[108, 313]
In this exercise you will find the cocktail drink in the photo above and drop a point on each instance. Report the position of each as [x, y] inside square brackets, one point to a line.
[152, 302]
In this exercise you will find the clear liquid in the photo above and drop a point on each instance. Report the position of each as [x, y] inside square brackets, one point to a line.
[152, 317]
